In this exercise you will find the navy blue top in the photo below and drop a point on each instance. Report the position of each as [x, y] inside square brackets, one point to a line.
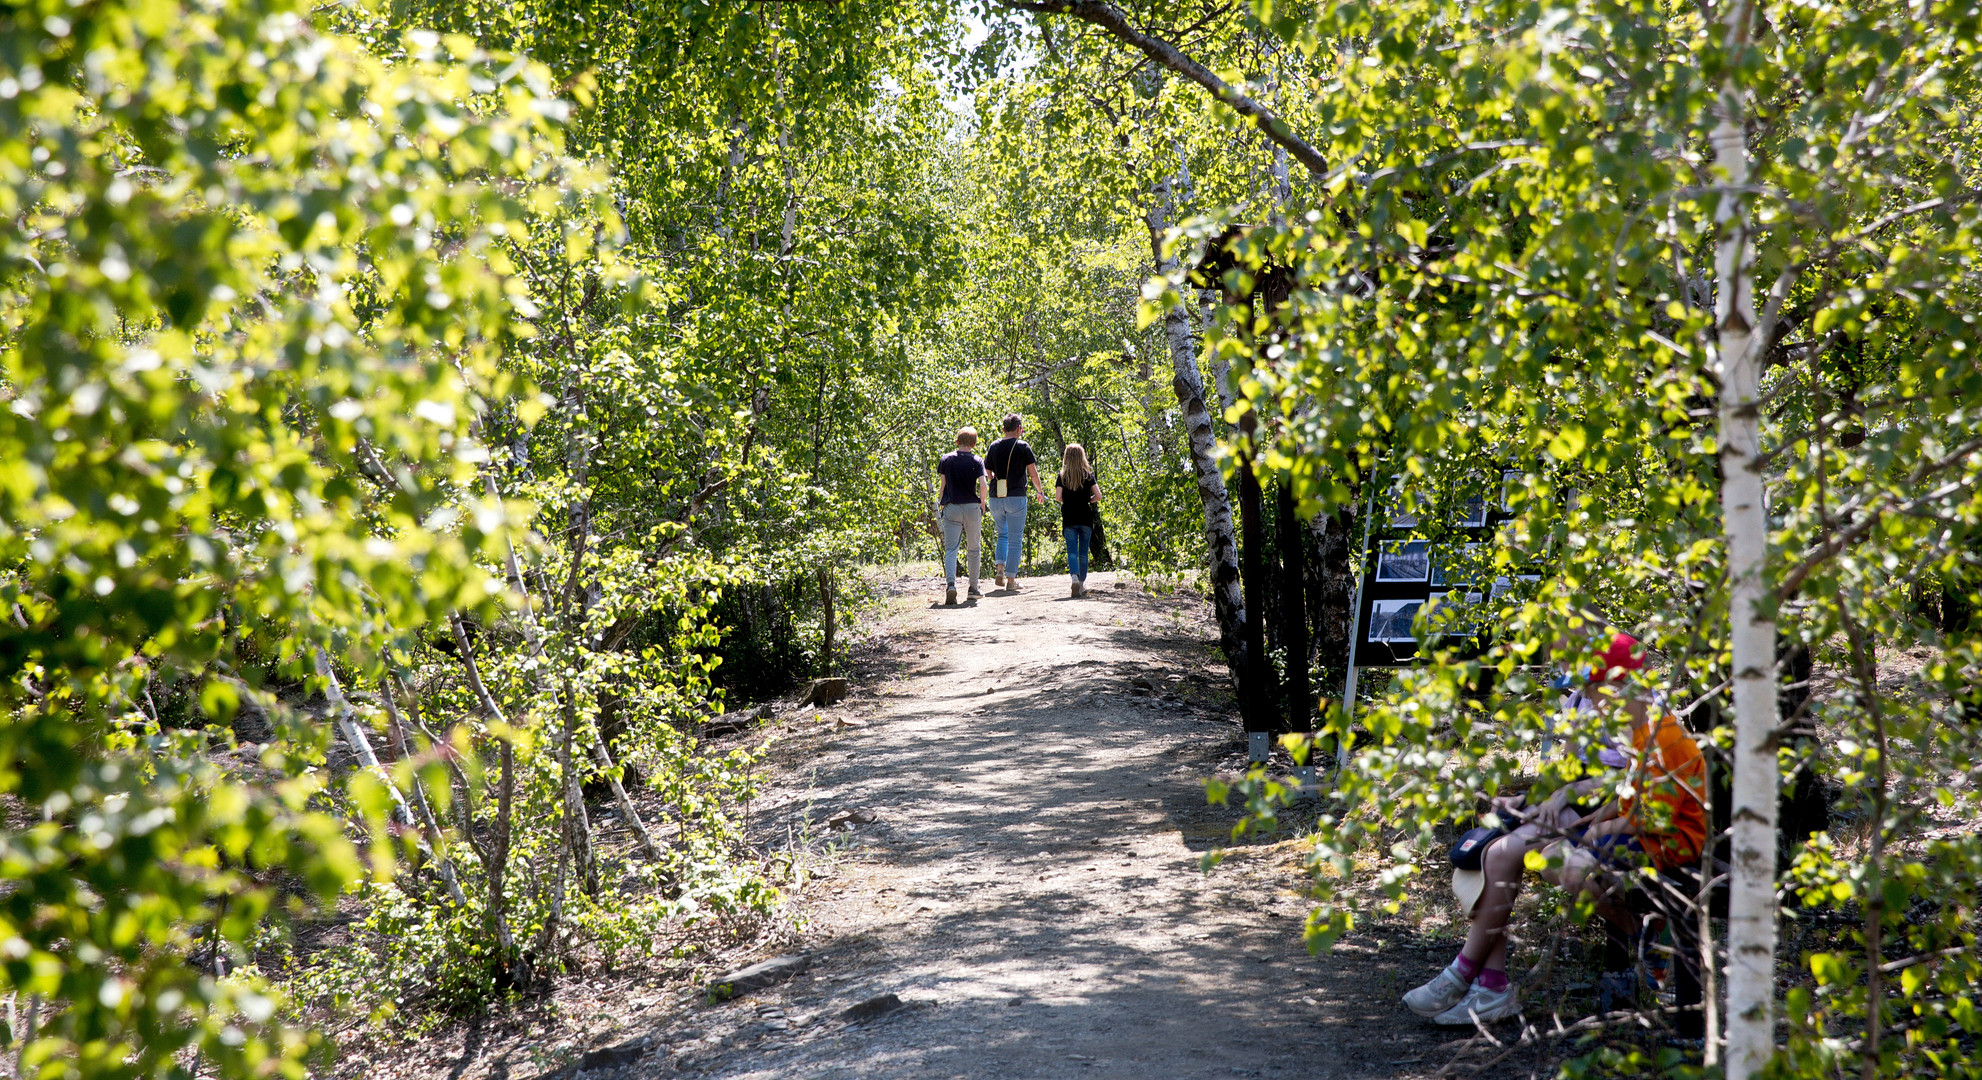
[960, 471]
[1007, 459]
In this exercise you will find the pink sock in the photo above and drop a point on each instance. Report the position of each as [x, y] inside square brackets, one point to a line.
[1493, 980]
[1466, 968]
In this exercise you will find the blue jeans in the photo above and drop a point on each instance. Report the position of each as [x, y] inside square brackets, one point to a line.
[1077, 538]
[1008, 514]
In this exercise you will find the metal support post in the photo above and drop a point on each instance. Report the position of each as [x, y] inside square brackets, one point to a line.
[1355, 629]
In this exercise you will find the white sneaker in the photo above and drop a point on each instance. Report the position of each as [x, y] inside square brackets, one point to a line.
[1441, 993]
[1481, 1006]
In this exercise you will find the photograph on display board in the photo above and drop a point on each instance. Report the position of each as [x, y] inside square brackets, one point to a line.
[1452, 565]
[1390, 620]
[1393, 508]
[1502, 585]
[1510, 482]
[1455, 612]
[1404, 561]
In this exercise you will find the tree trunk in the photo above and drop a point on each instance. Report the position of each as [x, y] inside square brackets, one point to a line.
[515, 971]
[361, 746]
[1751, 896]
[577, 822]
[429, 822]
[1331, 586]
[1226, 601]
[1293, 612]
[1154, 450]
[1805, 807]
[1256, 682]
[576, 602]
[601, 753]
[1865, 671]
[826, 617]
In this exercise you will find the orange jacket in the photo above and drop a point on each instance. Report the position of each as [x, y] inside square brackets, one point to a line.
[1668, 808]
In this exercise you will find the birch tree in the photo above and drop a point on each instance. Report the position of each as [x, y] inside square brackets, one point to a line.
[1751, 968]
[212, 312]
[1637, 254]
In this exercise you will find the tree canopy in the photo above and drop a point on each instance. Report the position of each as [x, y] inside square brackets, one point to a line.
[423, 422]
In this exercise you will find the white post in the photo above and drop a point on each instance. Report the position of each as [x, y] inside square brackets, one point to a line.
[1355, 629]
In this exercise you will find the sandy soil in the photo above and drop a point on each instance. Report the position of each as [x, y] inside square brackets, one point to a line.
[998, 834]
[1029, 887]
[1018, 789]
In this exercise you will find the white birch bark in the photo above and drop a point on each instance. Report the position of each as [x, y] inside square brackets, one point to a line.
[1744, 508]
[601, 754]
[1227, 602]
[354, 734]
[361, 747]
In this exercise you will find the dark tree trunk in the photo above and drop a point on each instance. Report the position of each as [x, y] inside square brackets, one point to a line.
[1293, 612]
[1256, 680]
[1201, 440]
[1805, 805]
[1957, 616]
[1331, 590]
[826, 617]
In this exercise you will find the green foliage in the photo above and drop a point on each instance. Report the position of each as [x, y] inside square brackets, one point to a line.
[324, 363]
[1511, 269]
[689, 426]
[244, 252]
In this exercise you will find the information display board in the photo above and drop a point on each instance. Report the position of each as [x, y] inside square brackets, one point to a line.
[1407, 572]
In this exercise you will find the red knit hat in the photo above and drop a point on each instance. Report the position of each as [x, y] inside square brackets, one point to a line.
[1622, 657]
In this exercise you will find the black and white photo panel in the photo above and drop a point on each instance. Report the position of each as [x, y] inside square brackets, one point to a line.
[1455, 564]
[1455, 613]
[1393, 508]
[1390, 620]
[1504, 585]
[1404, 560]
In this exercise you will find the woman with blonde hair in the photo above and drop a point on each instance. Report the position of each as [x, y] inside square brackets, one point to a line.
[1078, 496]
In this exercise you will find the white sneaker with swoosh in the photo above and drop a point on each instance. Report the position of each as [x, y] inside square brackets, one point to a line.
[1441, 993]
[1481, 1006]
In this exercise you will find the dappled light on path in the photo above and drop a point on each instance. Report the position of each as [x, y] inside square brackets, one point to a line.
[1030, 887]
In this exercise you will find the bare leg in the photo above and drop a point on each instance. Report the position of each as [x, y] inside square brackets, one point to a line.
[1504, 862]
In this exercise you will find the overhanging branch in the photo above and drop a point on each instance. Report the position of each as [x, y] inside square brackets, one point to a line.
[1109, 18]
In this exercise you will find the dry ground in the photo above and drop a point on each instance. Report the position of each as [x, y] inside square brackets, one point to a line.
[1028, 885]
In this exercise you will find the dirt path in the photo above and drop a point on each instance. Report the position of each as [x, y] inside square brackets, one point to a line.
[1029, 885]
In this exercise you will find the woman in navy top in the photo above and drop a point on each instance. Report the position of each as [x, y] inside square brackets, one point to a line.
[1079, 498]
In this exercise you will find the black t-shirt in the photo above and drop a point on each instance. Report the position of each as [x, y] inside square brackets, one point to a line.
[960, 471]
[1076, 503]
[1006, 460]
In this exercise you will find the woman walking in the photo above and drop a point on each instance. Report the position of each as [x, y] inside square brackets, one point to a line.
[1078, 496]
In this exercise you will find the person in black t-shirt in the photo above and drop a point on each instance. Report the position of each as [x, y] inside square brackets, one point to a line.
[962, 510]
[1079, 498]
[1012, 470]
